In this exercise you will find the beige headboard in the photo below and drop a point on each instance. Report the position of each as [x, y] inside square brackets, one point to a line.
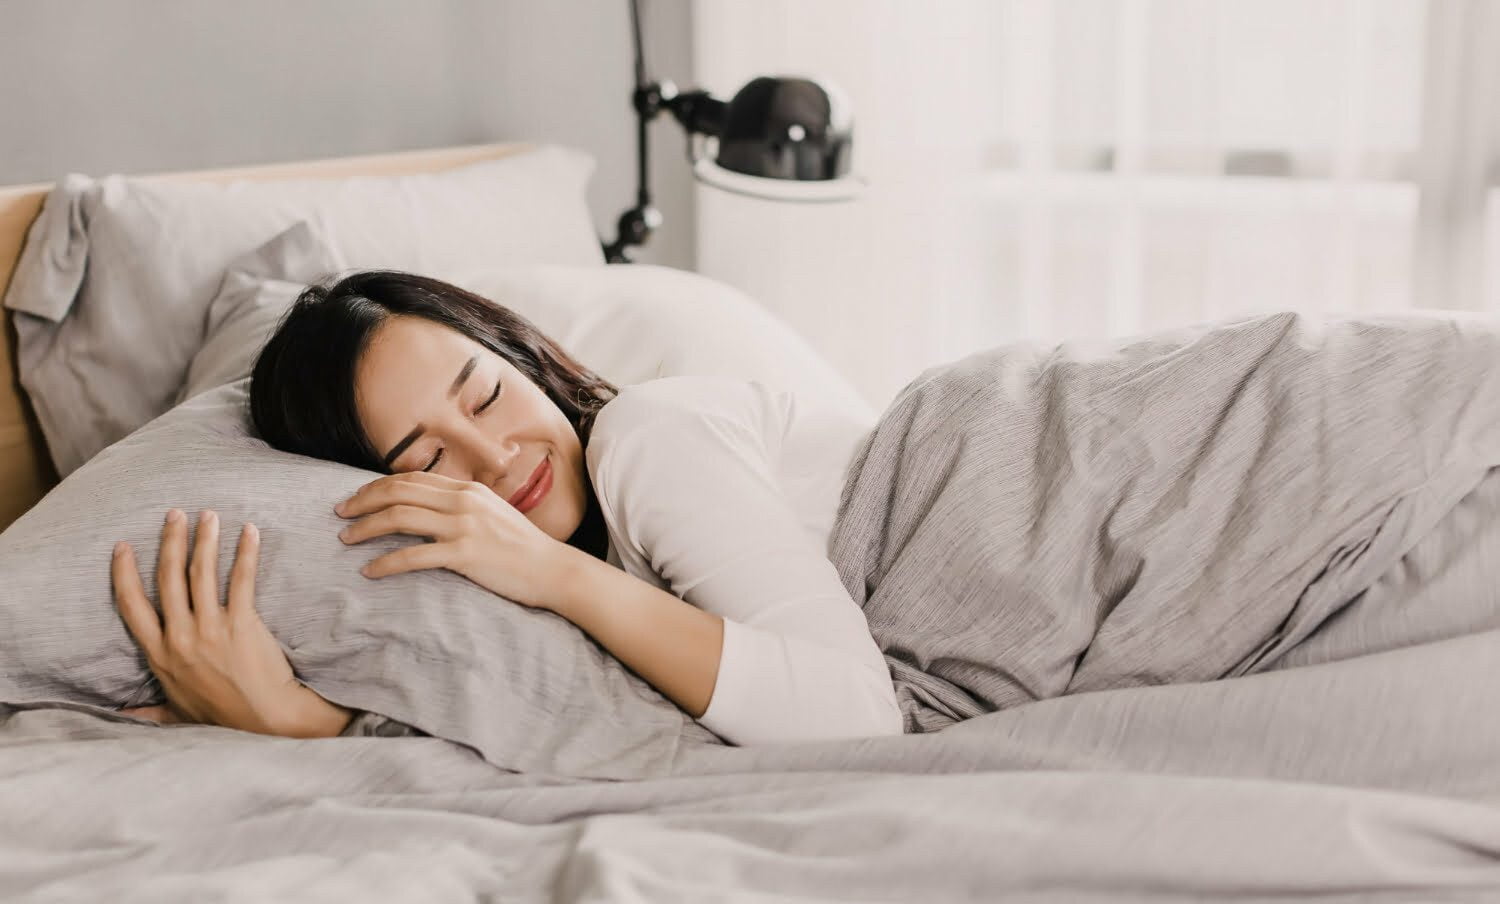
[26, 472]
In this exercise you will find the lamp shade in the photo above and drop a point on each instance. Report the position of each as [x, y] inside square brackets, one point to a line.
[785, 138]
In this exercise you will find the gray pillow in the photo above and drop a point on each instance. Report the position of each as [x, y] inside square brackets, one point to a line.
[524, 687]
[257, 289]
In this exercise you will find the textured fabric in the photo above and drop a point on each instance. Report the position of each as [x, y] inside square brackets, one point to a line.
[524, 687]
[113, 286]
[722, 492]
[257, 289]
[1367, 779]
[374, 725]
[1030, 522]
[1355, 760]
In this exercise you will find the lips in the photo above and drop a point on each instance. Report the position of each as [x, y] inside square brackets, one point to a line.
[525, 488]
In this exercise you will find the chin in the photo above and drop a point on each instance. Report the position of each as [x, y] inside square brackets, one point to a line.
[560, 531]
[557, 515]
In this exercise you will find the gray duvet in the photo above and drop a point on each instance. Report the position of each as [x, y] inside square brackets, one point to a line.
[1213, 613]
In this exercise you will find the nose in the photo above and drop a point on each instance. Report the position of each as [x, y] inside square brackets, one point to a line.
[488, 458]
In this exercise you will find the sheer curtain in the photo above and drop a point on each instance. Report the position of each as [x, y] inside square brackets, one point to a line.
[1095, 168]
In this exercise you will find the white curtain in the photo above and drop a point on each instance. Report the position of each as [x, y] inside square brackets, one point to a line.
[1096, 168]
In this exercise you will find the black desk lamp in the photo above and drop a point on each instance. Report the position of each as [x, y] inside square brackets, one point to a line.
[781, 139]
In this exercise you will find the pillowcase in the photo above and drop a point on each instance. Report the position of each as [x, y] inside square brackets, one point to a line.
[524, 687]
[256, 291]
[636, 322]
[113, 288]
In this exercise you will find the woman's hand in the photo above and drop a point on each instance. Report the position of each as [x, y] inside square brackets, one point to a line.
[217, 664]
[476, 533]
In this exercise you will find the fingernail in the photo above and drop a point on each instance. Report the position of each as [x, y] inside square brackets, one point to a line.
[120, 548]
[205, 516]
[174, 516]
[344, 535]
[338, 509]
[251, 530]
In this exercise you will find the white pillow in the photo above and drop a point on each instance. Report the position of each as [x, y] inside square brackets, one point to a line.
[636, 322]
[113, 287]
[629, 323]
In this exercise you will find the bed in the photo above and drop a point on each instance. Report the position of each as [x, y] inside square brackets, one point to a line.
[1351, 779]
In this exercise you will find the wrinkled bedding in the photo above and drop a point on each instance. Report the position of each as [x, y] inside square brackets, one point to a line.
[1210, 613]
[1201, 503]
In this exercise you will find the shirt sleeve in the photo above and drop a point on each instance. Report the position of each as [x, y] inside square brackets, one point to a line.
[683, 468]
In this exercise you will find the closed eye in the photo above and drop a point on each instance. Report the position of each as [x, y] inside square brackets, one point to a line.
[487, 402]
[491, 399]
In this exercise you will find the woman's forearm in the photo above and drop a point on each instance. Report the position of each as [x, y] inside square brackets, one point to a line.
[311, 716]
[671, 643]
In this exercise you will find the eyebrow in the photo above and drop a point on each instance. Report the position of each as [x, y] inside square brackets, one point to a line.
[408, 439]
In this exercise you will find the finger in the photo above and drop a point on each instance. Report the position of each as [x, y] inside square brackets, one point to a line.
[242, 574]
[399, 519]
[161, 713]
[135, 607]
[387, 491]
[166, 713]
[171, 571]
[174, 713]
[375, 494]
[416, 557]
[431, 478]
[203, 573]
[154, 713]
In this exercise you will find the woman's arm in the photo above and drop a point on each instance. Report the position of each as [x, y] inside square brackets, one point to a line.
[686, 474]
[308, 715]
[671, 643]
[778, 687]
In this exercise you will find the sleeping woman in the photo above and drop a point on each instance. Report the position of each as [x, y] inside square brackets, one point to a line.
[682, 522]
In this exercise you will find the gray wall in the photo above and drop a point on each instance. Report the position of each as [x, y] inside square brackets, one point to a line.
[99, 86]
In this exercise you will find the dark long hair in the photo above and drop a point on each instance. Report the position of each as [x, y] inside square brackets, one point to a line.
[302, 389]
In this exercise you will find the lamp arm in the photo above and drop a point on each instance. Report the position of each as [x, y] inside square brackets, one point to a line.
[697, 111]
[635, 225]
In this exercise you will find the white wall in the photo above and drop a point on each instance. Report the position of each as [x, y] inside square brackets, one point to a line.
[100, 86]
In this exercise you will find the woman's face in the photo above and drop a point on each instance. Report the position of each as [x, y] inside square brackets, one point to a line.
[426, 392]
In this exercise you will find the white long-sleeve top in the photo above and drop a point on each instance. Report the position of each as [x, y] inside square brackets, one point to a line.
[724, 492]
